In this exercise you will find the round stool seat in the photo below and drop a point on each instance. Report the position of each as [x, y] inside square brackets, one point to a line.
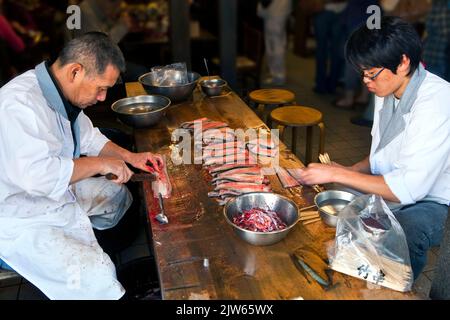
[272, 96]
[295, 116]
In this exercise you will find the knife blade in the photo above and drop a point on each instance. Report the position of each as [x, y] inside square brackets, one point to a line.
[136, 177]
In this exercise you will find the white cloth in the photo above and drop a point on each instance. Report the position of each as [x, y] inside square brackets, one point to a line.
[416, 164]
[45, 231]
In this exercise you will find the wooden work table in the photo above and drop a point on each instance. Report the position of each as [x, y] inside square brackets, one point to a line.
[197, 229]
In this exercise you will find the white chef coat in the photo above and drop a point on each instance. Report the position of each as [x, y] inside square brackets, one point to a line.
[416, 164]
[45, 228]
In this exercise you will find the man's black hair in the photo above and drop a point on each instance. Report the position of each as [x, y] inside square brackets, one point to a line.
[384, 47]
[94, 51]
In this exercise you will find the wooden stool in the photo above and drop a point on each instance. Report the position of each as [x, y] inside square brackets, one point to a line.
[266, 97]
[295, 117]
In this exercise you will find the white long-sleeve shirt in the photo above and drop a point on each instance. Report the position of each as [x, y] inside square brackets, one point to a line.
[46, 224]
[36, 149]
[416, 164]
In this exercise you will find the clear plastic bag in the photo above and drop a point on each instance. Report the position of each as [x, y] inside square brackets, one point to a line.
[171, 75]
[370, 244]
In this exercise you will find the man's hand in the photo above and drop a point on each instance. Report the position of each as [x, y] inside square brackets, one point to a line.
[117, 167]
[317, 173]
[144, 159]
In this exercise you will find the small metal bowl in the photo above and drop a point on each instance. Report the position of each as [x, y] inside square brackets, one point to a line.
[141, 111]
[176, 93]
[330, 203]
[213, 87]
[286, 209]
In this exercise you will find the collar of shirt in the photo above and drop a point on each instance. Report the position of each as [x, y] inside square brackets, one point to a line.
[72, 111]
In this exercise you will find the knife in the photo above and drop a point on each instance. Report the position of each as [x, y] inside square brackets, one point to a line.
[136, 177]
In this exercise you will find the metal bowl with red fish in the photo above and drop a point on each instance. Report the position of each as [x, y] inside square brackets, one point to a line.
[247, 212]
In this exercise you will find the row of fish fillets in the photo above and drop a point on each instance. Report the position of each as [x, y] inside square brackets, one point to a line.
[234, 170]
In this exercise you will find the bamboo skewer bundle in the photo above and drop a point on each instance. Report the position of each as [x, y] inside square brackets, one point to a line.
[308, 217]
[369, 266]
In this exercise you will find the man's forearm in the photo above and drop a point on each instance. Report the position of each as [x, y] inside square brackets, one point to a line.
[363, 166]
[365, 183]
[114, 151]
[85, 167]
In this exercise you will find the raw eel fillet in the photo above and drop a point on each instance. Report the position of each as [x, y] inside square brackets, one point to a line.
[260, 151]
[287, 181]
[295, 173]
[242, 187]
[213, 136]
[222, 153]
[205, 122]
[231, 166]
[254, 171]
[214, 147]
[162, 183]
[263, 143]
[240, 178]
[263, 147]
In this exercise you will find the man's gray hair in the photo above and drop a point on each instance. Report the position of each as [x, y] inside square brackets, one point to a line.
[94, 51]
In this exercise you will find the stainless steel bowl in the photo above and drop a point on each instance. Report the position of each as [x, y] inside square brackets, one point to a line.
[176, 93]
[330, 203]
[141, 111]
[213, 87]
[286, 209]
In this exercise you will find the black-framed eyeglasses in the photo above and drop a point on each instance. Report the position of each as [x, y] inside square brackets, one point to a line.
[372, 78]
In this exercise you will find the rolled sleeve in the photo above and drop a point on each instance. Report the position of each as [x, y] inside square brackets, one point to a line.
[92, 140]
[399, 187]
[65, 174]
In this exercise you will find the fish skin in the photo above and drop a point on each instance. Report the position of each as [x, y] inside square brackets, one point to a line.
[226, 167]
[254, 170]
[223, 146]
[287, 181]
[242, 187]
[239, 178]
[299, 267]
[313, 265]
[224, 153]
[189, 124]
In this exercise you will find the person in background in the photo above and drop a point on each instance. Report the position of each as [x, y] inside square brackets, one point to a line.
[112, 18]
[437, 42]
[409, 161]
[275, 14]
[50, 200]
[330, 46]
[355, 15]
[8, 34]
[11, 45]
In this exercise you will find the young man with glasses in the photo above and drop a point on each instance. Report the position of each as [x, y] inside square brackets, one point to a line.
[409, 163]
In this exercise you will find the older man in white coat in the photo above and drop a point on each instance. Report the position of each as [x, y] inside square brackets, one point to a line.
[49, 199]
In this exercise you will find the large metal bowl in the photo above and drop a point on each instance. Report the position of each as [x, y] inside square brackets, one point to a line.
[330, 203]
[286, 209]
[174, 93]
[141, 111]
